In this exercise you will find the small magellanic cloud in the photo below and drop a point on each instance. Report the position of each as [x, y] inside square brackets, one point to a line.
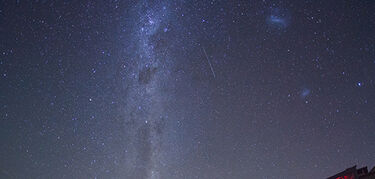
[305, 92]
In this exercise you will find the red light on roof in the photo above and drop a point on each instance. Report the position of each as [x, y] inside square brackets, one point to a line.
[346, 177]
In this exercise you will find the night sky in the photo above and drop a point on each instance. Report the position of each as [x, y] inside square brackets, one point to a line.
[186, 89]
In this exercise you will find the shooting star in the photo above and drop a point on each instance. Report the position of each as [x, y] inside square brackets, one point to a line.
[209, 62]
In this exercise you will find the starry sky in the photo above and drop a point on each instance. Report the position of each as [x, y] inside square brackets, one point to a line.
[154, 89]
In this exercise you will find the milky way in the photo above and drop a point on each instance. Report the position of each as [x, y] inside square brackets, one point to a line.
[144, 109]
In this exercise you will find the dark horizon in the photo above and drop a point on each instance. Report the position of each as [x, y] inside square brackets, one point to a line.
[155, 89]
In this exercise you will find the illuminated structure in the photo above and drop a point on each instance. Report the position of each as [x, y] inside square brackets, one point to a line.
[354, 173]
